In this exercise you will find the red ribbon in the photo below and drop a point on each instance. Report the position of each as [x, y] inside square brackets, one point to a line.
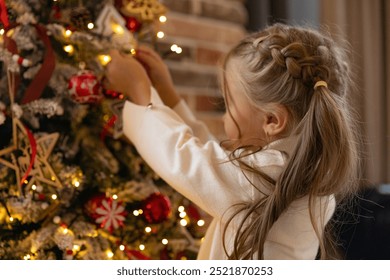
[41, 79]
[33, 145]
[36, 87]
[107, 126]
[4, 14]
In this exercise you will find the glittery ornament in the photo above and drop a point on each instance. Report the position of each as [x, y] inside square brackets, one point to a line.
[156, 208]
[85, 87]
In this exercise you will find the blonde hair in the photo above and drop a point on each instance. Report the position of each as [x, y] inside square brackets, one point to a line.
[282, 65]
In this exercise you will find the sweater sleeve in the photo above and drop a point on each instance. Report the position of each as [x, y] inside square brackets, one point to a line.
[199, 170]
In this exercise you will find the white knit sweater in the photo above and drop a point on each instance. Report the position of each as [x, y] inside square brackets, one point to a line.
[182, 151]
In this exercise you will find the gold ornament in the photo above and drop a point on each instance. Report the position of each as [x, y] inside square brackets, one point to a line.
[145, 10]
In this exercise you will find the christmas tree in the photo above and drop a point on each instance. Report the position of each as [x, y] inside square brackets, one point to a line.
[71, 185]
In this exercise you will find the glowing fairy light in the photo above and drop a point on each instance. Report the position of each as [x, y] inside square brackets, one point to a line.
[201, 223]
[122, 247]
[162, 19]
[183, 222]
[179, 50]
[117, 29]
[104, 59]
[90, 25]
[76, 247]
[109, 254]
[164, 241]
[182, 214]
[33, 187]
[54, 196]
[115, 197]
[11, 219]
[69, 49]
[2, 31]
[68, 33]
[27, 257]
[148, 229]
[136, 213]
[142, 247]
[160, 34]
[181, 209]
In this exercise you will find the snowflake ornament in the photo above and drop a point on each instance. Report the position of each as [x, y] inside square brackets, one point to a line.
[111, 214]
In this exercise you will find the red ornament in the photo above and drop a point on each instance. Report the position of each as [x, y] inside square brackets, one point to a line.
[156, 208]
[85, 87]
[106, 212]
[133, 24]
[112, 94]
[136, 255]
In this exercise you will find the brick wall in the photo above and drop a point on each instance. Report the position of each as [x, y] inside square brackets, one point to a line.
[205, 30]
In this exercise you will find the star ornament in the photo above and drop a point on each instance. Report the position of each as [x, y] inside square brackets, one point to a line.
[28, 157]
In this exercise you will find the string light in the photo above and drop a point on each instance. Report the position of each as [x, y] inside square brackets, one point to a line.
[76, 184]
[68, 33]
[140, 211]
[122, 247]
[69, 49]
[90, 25]
[25, 182]
[148, 229]
[181, 209]
[136, 213]
[142, 247]
[182, 214]
[52, 177]
[117, 29]
[11, 219]
[175, 48]
[76, 247]
[164, 241]
[65, 231]
[2, 31]
[104, 59]
[183, 222]
[162, 18]
[109, 254]
[33, 187]
[27, 257]
[201, 223]
[133, 51]
[115, 197]
[160, 34]
[56, 219]
[54, 196]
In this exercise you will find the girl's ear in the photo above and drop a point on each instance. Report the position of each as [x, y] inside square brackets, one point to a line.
[275, 122]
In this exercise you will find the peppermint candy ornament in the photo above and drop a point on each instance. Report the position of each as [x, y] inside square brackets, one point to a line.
[106, 212]
[85, 87]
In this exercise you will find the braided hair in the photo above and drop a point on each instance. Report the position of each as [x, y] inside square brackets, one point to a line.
[282, 65]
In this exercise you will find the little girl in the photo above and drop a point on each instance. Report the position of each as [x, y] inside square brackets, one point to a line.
[291, 150]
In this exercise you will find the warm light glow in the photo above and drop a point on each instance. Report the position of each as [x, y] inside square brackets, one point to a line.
[122, 247]
[68, 33]
[183, 222]
[115, 197]
[140, 211]
[201, 223]
[27, 257]
[164, 241]
[181, 209]
[11, 219]
[33, 187]
[90, 25]
[54, 196]
[160, 34]
[56, 219]
[179, 50]
[104, 59]
[136, 213]
[76, 247]
[25, 182]
[2, 31]
[117, 29]
[162, 18]
[182, 214]
[109, 254]
[52, 177]
[69, 49]
[142, 247]
[148, 229]
[65, 231]
[133, 51]
[76, 183]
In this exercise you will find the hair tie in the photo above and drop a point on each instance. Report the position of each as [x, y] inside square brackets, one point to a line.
[320, 84]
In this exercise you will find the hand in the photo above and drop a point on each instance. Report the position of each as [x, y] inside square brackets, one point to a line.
[159, 75]
[126, 75]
